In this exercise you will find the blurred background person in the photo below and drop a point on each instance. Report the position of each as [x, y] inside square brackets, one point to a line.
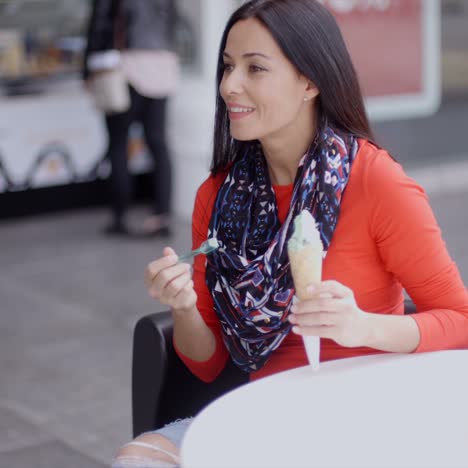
[137, 37]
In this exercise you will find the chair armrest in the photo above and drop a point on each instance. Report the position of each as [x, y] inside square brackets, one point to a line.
[149, 366]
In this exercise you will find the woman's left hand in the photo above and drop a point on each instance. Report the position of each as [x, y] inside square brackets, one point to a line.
[330, 311]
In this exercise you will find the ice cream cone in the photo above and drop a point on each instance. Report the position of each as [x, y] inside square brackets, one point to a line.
[306, 268]
[305, 252]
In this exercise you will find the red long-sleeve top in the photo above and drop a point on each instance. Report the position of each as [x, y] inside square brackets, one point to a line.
[386, 239]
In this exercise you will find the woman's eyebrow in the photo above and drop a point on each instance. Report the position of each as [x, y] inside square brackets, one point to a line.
[249, 54]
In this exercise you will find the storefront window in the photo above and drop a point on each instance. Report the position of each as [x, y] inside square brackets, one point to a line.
[40, 41]
[45, 39]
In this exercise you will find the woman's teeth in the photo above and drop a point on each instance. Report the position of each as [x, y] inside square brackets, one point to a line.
[240, 109]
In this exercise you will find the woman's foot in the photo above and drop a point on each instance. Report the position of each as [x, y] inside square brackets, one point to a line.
[148, 450]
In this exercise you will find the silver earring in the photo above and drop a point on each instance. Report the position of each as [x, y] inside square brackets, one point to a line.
[306, 99]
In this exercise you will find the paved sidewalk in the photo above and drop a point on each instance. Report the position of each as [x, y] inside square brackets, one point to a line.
[70, 298]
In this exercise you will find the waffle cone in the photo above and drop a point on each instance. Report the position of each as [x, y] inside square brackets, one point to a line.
[306, 268]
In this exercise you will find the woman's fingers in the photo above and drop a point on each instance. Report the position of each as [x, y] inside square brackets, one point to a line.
[167, 251]
[322, 332]
[317, 305]
[330, 311]
[157, 266]
[161, 284]
[170, 282]
[318, 319]
[186, 297]
[179, 294]
[175, 286]
[330, 287]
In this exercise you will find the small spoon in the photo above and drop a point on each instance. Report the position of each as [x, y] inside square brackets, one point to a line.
[208, 246]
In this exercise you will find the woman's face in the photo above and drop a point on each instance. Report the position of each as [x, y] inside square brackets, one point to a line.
[263, 91]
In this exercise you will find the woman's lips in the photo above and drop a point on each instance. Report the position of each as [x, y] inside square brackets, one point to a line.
[237, 112]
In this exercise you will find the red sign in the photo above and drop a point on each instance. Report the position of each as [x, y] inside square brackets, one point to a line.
[395, 48]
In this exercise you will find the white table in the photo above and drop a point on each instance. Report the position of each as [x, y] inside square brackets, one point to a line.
[391, 410]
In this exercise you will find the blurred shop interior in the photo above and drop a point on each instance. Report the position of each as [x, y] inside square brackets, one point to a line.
[52, 139]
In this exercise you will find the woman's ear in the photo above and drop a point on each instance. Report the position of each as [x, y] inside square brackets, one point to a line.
[311, 91]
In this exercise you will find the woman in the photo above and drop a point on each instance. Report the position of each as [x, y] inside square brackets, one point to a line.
[144, 33]
[291, 132]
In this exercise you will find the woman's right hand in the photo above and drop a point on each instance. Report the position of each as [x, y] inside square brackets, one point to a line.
[171, 282]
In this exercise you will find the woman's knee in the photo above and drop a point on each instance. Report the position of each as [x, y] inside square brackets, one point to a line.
[147, 451]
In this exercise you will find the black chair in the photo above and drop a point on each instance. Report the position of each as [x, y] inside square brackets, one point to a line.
[163, 389]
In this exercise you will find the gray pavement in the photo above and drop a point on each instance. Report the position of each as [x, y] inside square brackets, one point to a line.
[69, 300]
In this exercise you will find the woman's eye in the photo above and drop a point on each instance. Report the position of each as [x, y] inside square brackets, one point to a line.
[227, 67]
[256, 68]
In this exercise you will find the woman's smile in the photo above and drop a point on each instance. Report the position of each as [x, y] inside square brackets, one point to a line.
[237, 111]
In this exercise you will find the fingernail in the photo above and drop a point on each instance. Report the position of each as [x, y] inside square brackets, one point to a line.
[291, 318]
[296, 330]
[294, 309]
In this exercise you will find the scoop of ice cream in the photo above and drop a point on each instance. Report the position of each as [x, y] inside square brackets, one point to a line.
[305, 232]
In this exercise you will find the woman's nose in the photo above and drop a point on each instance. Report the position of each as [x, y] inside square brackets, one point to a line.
[232, 83]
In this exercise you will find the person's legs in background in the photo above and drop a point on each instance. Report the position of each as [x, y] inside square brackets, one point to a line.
[153, 118]
[120, 180]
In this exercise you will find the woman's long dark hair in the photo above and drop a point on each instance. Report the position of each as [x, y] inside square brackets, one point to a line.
[310, 38]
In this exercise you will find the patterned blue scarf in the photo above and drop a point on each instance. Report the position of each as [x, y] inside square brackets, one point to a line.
[249, 275]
